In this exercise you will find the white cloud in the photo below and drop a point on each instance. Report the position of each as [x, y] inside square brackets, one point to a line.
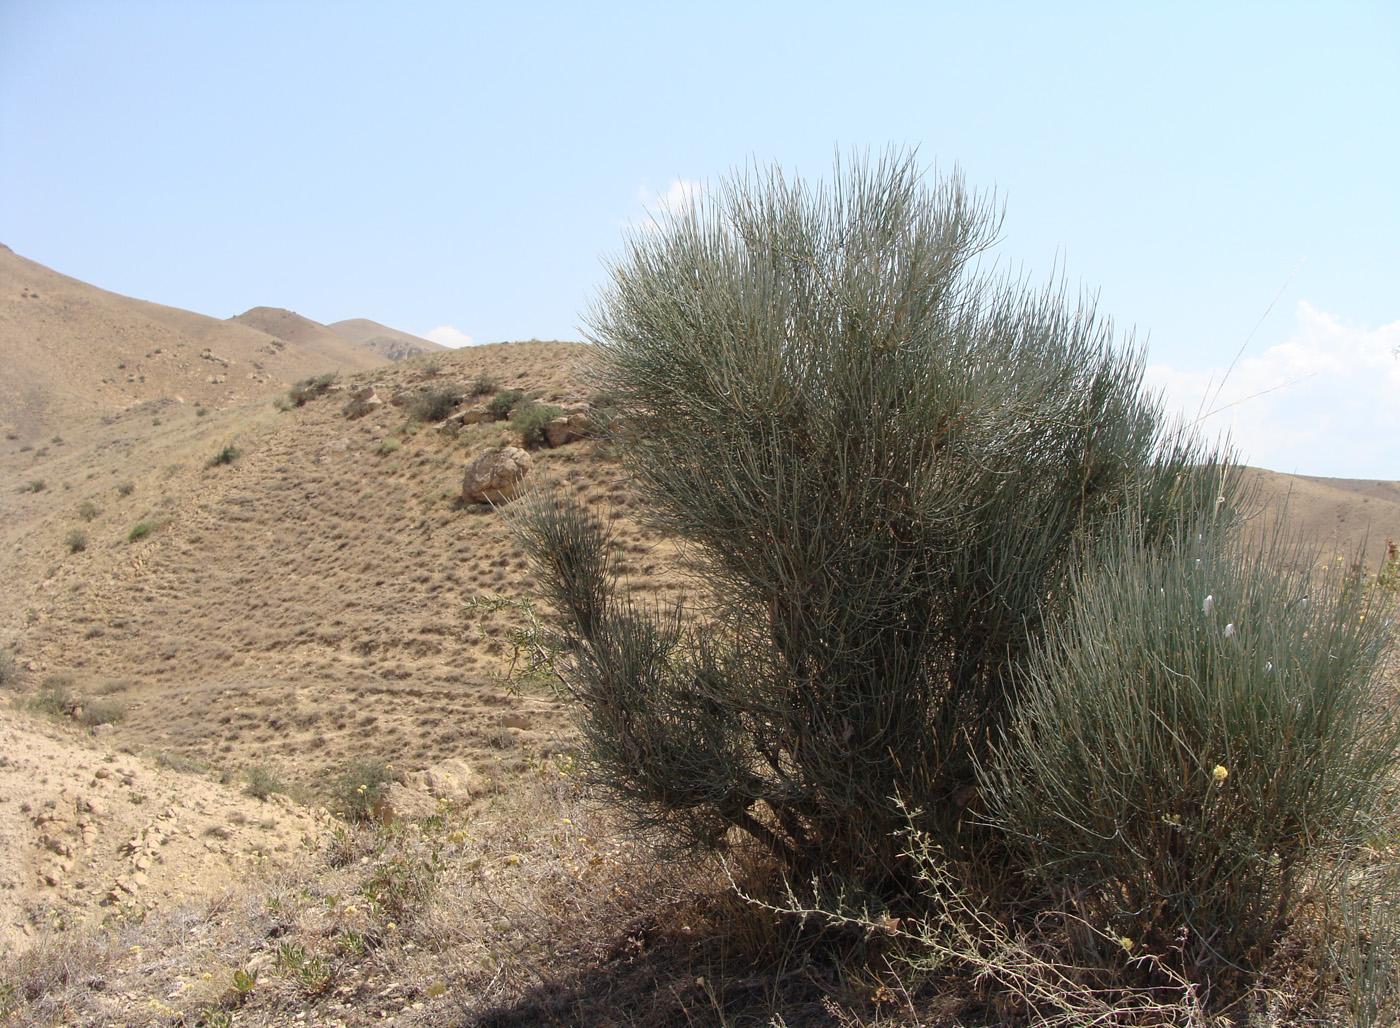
[676, 198]
[449, 335]
[1326, 401]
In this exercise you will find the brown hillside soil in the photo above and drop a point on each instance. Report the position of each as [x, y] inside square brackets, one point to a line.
[86, 833]
[71, 352]
[308, 604]
[309, 337]
[1344, 515]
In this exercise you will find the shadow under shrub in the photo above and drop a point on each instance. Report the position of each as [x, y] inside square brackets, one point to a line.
[1196, 742]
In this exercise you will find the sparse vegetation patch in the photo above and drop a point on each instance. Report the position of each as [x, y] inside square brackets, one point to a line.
[433, 404]
[260, 782]
[141, 530]
[309, 389]
[225, 456]
[504, 402]
[359, 793]
[531, 419]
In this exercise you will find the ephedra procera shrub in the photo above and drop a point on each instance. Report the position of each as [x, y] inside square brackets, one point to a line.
[1196, 744]
[886, 466]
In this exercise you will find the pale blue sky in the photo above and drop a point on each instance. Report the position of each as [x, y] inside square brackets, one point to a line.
[432, 165]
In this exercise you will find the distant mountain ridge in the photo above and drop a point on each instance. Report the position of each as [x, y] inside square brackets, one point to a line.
[70, 350]
[383, 340]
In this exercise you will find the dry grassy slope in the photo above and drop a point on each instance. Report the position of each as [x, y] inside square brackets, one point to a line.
[71, 352]
[304, 606]
[1344, 515]
[385, 341]
[311, 337]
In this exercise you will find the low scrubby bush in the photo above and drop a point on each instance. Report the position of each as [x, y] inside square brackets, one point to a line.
[9, 668]
[310, 388]
[359, 792]
[93, 711]
[530, 419]
[483, 385]
[504, 402]
[434, 404]
[55, 697]
[357, 408]
[1193, 744]
[225, 456]
[983, 641]
[140, 530]
[76, 540]
[260, 783]
[885, 467]
[88, 511]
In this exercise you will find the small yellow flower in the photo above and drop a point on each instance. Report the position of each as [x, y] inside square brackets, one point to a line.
[1220, 773]
[1127, 944]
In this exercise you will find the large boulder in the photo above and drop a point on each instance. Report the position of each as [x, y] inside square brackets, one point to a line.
[453, 780]
[496, 476]
[568, 428]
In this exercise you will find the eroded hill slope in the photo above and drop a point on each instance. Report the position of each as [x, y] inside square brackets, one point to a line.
[72, 352]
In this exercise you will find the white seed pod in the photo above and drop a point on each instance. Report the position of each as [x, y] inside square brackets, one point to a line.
[1229, 630]
[1208, 606]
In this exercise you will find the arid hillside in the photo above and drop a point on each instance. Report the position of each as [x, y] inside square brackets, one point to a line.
[383, 340]
[223, 598]
[319, 599]
[71, 352]
[1343, 515]
[310, 337]
[312, 593]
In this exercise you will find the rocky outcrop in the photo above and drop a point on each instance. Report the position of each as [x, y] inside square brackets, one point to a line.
[362, 401]
[568, 428]
[477, 415]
